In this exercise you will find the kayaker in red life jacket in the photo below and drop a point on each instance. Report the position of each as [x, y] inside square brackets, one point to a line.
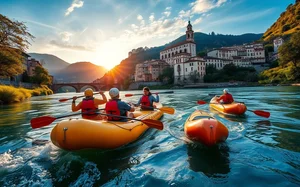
[226, 98]
[89, 103]
[146, 101]
[117, 107]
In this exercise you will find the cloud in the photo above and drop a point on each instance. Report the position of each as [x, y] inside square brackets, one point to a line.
[65, 36]
[75, 4]
[167, 11]
[202, 6]
[140, 17]
[184, 14]
[151, 17]
[69, 46]
[197, 21]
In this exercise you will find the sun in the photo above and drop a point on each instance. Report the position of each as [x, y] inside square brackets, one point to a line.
[110, 56]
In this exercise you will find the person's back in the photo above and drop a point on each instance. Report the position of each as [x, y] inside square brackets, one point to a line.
[117, 107]
[89, 105]
[226, 98]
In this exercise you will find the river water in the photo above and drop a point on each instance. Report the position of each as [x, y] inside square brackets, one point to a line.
[258, 151]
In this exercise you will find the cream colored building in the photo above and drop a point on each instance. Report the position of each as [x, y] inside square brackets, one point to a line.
[149, 70]
[187, 46]
[243, 55]
[183, 70]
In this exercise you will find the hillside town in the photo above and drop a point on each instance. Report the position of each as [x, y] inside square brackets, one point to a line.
[182, 57]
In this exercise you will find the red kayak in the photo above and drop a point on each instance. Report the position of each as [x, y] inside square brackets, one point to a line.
[203, 128]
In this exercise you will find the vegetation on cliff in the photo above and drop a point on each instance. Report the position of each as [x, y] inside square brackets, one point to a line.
[286, 24]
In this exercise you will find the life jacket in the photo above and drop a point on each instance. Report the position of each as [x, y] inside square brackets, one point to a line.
[88, 107]
[111, 107]
[227, 98]
[145, 101]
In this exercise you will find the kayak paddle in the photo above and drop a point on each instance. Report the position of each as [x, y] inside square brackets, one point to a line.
[47, 120]
[168, 110]
[43, 121]
[66, 99]
[167, 92]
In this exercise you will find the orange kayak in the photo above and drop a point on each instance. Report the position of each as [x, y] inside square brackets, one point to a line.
[232, 108]
[203, 128]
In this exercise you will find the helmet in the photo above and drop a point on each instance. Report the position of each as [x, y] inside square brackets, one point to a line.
[88, 92]
[225, 90]
[114, 92]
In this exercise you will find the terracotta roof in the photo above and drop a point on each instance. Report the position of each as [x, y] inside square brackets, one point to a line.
[177, 44]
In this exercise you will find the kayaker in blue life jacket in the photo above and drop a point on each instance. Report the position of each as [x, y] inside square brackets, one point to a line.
[89, 105]
[117, 107]
[146, 101]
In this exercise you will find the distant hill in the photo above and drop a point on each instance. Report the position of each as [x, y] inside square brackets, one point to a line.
[80, 72]
[203, 41]
[286, 24]
[52, 63]
[210, 41]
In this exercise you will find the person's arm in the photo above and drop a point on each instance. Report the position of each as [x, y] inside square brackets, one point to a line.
[220, 98]
[126, 107]
[156, 99]
[100, 101]
[74, 106]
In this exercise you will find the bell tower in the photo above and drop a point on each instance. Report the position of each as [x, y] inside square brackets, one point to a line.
[189, 32]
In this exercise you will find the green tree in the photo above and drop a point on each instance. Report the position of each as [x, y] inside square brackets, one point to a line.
[194, 76]
[41, 76]
[14, 40]
[202, 54]
[167, 74]
[290, 52]
[210, 69]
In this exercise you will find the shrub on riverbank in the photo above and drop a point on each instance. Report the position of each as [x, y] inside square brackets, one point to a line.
[10, 94]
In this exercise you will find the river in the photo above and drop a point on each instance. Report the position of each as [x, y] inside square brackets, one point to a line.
[258, 151]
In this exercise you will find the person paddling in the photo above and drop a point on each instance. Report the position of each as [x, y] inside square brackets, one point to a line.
[89, 105]
[146, 101]
[117, 107]
[226, 98]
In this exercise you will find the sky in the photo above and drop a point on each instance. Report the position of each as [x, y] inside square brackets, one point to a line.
[104, 31]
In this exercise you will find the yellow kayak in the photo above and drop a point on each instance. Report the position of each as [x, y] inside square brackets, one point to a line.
[76, 134]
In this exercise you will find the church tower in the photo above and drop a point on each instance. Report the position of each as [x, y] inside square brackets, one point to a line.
[189, 33]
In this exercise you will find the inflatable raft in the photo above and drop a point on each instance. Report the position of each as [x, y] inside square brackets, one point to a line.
[232, 108]
[76, 134]
[203, 128]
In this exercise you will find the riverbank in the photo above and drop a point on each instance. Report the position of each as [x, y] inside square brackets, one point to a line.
[10, 94]
[212, 85]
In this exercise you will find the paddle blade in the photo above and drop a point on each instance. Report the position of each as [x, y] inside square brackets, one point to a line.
[167, 110]
[262, 113]
[201, 102]
[63, 100]
[128, 95]
[153, 123]
[41, 121]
